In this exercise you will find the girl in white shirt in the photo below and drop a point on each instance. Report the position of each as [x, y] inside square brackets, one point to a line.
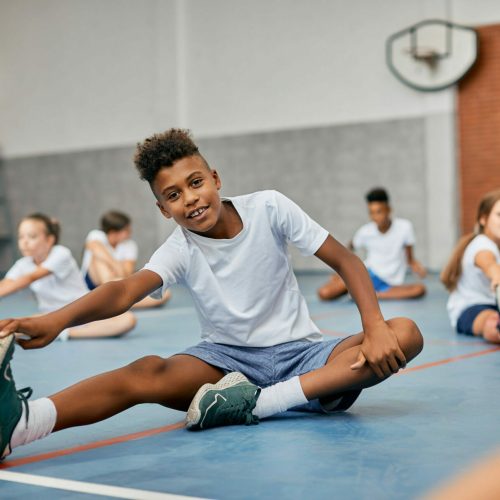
[472, 275]
[52, 274]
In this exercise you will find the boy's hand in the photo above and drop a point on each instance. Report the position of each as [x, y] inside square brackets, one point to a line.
[418, 269]
[380, 349]
[32, 333]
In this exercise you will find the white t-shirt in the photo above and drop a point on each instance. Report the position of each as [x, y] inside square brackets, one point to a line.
[64, 285]
[385, 252]
[126, 250]
[473, 286]
[244, 289]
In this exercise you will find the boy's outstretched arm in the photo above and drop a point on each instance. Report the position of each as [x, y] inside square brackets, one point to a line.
[380, 348]
[106, 301]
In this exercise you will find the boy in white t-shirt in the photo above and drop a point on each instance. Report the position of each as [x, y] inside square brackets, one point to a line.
[232, 256]
[51, 272]
[110, 254]
[472, 275]
[388, 243]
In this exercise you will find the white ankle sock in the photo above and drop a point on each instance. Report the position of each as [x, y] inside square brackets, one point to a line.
[41, 421]
[279, 397]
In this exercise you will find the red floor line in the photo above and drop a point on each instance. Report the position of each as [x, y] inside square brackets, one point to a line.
[449, 360]
[90, 446]
[179, 425]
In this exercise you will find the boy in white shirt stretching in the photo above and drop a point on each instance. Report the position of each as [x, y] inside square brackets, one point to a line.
[232, 255]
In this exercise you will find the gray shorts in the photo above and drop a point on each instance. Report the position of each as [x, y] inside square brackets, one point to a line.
[265, 366]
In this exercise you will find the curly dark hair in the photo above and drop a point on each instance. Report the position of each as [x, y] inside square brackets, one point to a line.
[377, 194]
[163, 150]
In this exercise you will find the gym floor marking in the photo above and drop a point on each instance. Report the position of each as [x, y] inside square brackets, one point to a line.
[84, 487]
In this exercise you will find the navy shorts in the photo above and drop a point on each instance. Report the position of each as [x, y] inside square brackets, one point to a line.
[465, 320]
[90, 284]
[378, 283]
[265, 366]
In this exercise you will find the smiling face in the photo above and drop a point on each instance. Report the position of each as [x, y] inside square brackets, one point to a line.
[491, 223]
[188, 192]
[33, 240]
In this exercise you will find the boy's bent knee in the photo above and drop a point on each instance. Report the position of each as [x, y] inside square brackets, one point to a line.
[148, 366]
[409, 336]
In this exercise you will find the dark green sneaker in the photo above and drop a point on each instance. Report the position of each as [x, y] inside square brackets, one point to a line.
[11, 401]
[228, 402]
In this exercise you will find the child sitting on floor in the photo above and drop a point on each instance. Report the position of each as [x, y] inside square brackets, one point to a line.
[388, 243]
[472, 275]
[111, 254]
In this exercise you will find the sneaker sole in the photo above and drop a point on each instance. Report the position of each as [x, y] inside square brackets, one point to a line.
[193, 415]
[6, 348]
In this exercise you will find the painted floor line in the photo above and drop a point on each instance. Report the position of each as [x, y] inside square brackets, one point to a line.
[448, 360]
[84, 487]
[90, 446]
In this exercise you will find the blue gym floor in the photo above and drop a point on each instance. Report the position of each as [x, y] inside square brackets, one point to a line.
[399, 440]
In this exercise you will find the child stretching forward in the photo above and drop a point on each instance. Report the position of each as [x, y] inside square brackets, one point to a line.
[51, 272]
[473, 274]
[389, 251]
[232, 255]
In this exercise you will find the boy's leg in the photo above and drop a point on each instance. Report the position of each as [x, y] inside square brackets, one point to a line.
[332, 381]
[333, 289]
[170, 382]
[100, 272]
[336, 377]
[411, 291]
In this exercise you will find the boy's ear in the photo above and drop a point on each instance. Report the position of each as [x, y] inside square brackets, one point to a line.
[163, 211]
[216, 178]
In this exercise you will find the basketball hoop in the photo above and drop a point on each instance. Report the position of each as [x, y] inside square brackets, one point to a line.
[432, 54]
[426, 55]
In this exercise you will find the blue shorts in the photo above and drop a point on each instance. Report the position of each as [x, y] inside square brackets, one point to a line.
[378, 283]
[88, 280]
[466, 319]
[265, 366]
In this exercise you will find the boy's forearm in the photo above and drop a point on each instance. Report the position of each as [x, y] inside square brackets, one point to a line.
[90, 308]
[360, 286]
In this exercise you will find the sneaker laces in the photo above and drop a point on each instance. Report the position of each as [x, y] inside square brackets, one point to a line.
[240, 412]
[24, 394]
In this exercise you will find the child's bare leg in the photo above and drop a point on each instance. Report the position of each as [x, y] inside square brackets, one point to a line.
[111, 327]
[485, 324]
[333, 289]
[100, 272]
[412, 291]
[337, 376]
[170, 382]
[148, 302]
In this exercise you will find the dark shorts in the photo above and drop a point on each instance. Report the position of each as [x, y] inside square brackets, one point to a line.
[265, 366]
[466, 319]
[378, 283]
[90, 284]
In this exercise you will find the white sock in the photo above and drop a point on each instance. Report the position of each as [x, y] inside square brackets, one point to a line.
[41, 421]
[279, 397]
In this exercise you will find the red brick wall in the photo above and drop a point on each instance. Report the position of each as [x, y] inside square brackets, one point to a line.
[479, 126]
